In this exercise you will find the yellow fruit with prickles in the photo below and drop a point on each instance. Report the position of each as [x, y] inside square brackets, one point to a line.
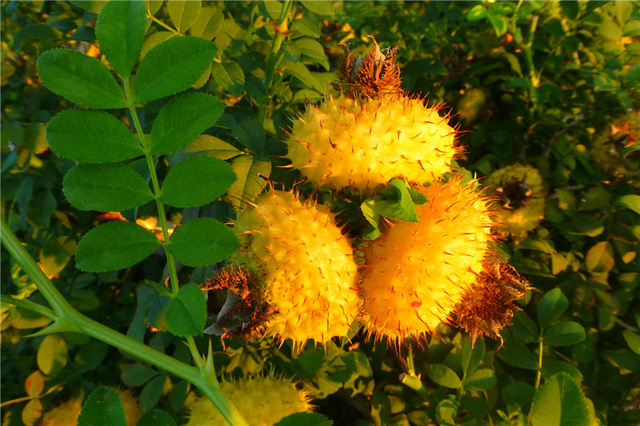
[364, 143]
[521, 199]
[416, 273]
[262, 401]
[304, 266]
[66, 413]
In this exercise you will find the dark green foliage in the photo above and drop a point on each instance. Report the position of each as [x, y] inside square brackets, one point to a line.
[198, 97]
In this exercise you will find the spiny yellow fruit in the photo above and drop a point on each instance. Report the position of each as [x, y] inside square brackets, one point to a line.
[65, 414]
[521, 197]
[303, 265]
[262, 401]
[416, 273]
[373, 133]
[609, 146]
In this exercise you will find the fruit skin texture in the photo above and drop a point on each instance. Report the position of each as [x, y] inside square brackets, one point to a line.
[364, 143]
[416, 273]
[523, 199]
[262, 401]
[304, 265]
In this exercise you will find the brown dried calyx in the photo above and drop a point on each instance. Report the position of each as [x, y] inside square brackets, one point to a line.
[375, 75]
[488, 307]
[244, 313]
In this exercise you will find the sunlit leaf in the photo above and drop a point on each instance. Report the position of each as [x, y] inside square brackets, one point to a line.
[202, 241]
[560, 402]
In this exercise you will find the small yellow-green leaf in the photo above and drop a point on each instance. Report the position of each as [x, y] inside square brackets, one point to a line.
[633, 340]
[56, 253]
[319, 7]
[444, 376]
[230, 76]
[600, 257]
[213, 147]
[32, 412]
[202, 242]
[208, 23]
[196, 181]
[105, 187]
[34, 384]
[183, 13]
[631, 201]
[252, 173]
[80, 78]
[52, 355]
[114, 245]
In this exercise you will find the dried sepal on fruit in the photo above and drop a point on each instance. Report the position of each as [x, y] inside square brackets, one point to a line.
[488, 306]
[303, 267]
[520, 196]
[373, 132]
[261, 400]
[416, 273]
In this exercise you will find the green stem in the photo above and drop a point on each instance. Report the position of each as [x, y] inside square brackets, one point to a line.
[29, 306]
[539, 375]
[66, 315]
[528, 58]
[275, 56]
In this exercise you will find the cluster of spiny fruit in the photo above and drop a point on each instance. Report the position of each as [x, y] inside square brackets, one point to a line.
[296, 275]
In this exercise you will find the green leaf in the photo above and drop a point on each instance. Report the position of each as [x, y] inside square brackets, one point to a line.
[560, 402]
[208, 23]
[230, 76]
[319, 7]
[600, 257]
[52, 355]
[357, 362]
[631, 201]
[93, 6]
[171, 67]
[447, 410]
[105, 187]
[183, 14]
[155, 39]
[444, 376]
[187, 312]
[56, 253]
[477, 12]
[80, 78]
[156, 418]
[196, 181]
[182, 120]
[35, 32]
[103, 408]
[250, 133]
[301, 72]
[270, 9]
[151, 393]
[479, 380]
[400, 206]
[114, 245]
[202, 241]
[252, 173]
[304, 419]
[596, 198]
[520, 393]
[633, 340]
[517, 354]
[311, 48]
[498, 22]
[91, 137]
[136, 374]
[551, 306]
[524, 327]
[306, 27]
[563, 334]
[213, 147]
[587, 224]
[120, 31]
[471, 356]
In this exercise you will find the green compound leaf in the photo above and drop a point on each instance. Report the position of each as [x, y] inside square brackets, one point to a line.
[183, 13]
[80, 78]
[120, 31]
[171, 67]
[202, 242]
[187, 312]
[196, 181]
[319, 7]
[444, 376]
[564, 333]
[304, 419]
[560, 402]
[156, 418]
[103, 408]
[182, 120]
[105, 187]
[91, 137]
[250, 133]
[114, 245]
[251, 172]
[552, 305]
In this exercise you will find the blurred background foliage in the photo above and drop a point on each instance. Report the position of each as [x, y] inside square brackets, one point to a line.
[552, 85]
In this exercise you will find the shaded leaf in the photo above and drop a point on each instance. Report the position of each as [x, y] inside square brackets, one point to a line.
[171, 67]
[517, 354]
[552, 305]
[560, 402]
[187, 312]
[357, 362]
[105, 187]
[80, 78]
[252, 173]
[120, 31]
[304, 419]
[156, 418]
[481, 379]
[91, 137]
[250, 133]
[196, 181]
[114, 245]
[182, 120]
[151, 393]
[230, 76]
[102, 408]
[136, 374]
[202, 242]
[56, 253]
[564, 333]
